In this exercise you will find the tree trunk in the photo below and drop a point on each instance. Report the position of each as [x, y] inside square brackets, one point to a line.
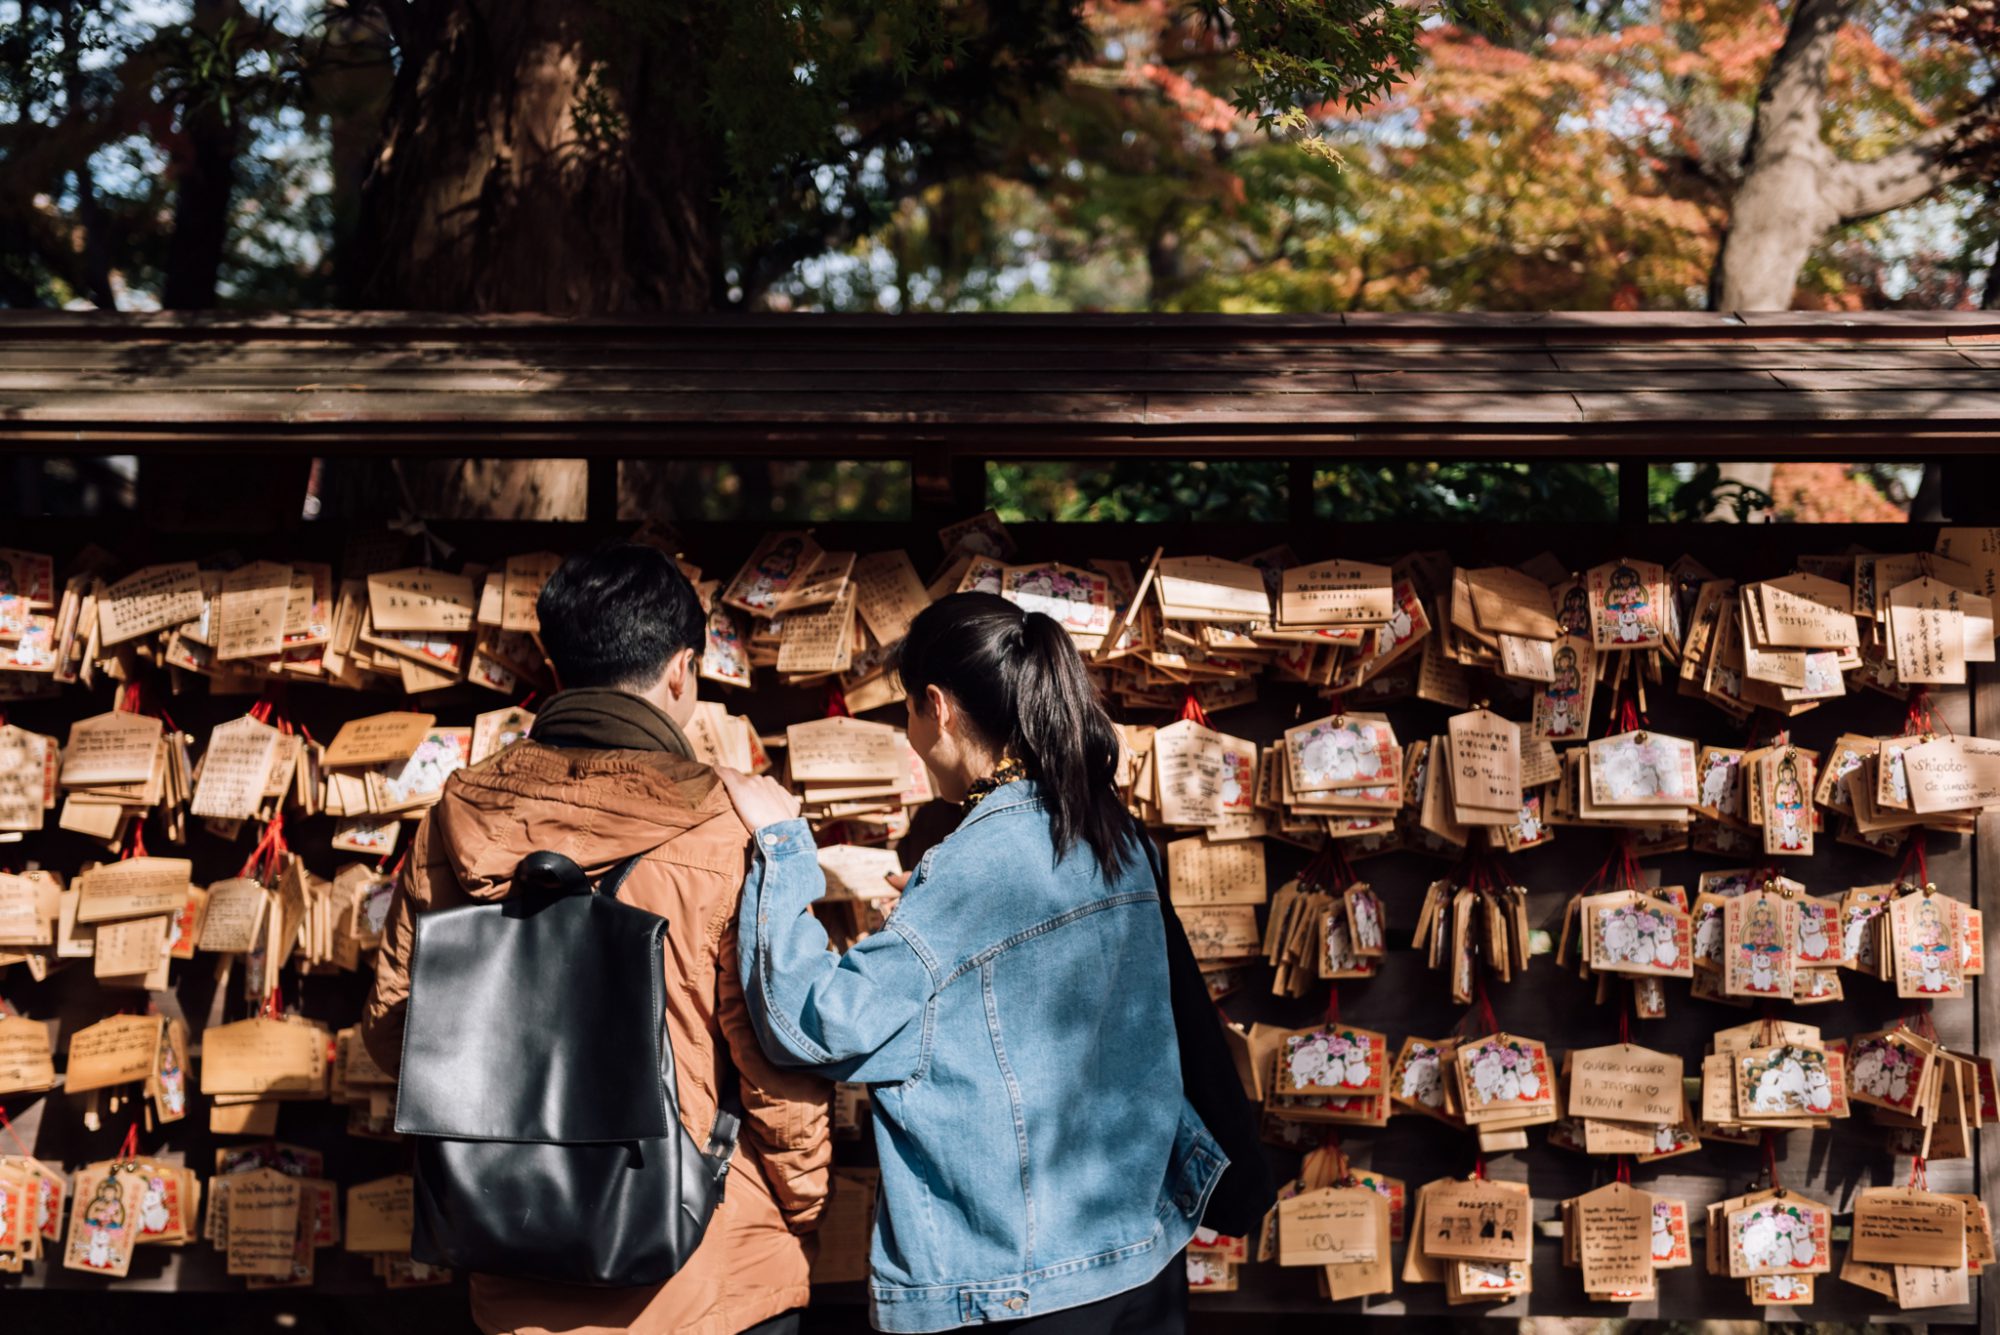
[1795, 189]
[1166, 264]
[1989, 298]
[96, 257]
[354, 98]
[537, 158]
[205, 162]
[1777, 214]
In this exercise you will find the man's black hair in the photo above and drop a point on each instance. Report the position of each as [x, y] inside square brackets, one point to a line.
[615, 616]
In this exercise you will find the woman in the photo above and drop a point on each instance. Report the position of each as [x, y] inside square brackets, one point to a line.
[1040, 1164]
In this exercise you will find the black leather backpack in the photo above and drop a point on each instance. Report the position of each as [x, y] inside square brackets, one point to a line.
[1248, 1189]
[538, 1087]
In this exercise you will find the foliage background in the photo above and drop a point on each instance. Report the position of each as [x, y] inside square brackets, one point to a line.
[909, 155]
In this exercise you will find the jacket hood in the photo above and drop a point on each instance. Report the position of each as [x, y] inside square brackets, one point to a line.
[595, 807]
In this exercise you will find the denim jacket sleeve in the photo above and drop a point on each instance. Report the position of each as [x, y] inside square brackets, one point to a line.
[857, 1016]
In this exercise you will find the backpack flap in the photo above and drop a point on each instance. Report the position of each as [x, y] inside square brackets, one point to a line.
[537, 1020]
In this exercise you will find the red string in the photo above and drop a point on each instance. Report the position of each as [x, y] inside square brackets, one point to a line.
[1922, 717]
[1624, 714]
[1479, 1168]
[273, 1004]
[131, 700]
[1625, 1018]
[526, 700]
[1914, 857]
[1597, 877]
[836, 704]
[265, 858]
[7, 1125]
[1771, 1156]
[1486, 1015]
[135, 842]
[1628, 863]
[1624, 1168]
[1473, 869]
[1191, 708]
[1327, 869]
[1341, 869]
[1917, 1019]
[1920, 1174]
[130, 1148]
[1333, 1003]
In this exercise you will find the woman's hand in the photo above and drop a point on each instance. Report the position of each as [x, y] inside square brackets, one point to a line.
[760, 799]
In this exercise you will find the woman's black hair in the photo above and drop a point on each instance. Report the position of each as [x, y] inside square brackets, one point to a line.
[1018, 678]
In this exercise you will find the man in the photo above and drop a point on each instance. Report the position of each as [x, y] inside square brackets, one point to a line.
[607, 772]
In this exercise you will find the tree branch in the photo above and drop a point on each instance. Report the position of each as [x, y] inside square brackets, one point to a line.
[828, 229]
[31, 233]
[33, 156]
[1794, 91]
[395, 17]
[1863, 190]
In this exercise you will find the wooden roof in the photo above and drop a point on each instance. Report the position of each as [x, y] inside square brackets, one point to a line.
[1594, 385]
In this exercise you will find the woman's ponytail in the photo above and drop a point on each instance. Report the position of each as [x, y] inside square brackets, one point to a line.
[1065, 740]
[1019, 678]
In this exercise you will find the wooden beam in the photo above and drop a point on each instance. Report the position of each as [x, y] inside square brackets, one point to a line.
[1869, 442]
[1586, 385]
[1489, 326]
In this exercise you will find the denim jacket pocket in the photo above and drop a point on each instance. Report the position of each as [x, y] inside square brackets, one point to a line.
[1196, 1166]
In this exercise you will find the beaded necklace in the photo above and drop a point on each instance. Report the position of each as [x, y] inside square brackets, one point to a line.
[1008, 770]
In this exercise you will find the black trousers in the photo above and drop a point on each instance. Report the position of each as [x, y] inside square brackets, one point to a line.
[1157, 1307]
[785, 1323]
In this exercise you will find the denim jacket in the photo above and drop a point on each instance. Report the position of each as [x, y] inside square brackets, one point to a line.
[1013, 1023]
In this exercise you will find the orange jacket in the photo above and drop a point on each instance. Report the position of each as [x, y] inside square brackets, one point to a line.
[600, 807]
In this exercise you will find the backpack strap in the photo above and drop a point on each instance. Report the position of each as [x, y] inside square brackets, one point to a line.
[1245, 1192]
[722, 1137]
[612, 879]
